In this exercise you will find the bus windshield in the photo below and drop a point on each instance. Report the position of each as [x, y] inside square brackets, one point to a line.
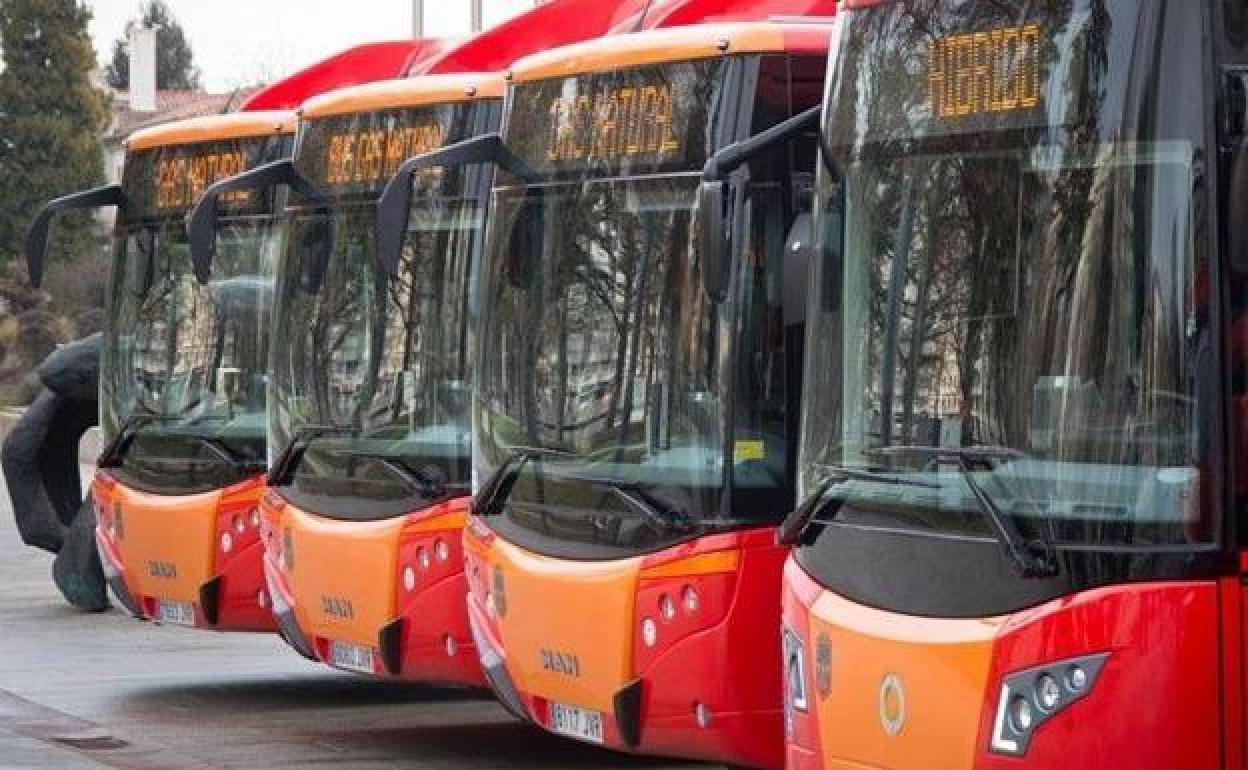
[633, 410]
[184, 363]
[1013, 306]
[370, 371]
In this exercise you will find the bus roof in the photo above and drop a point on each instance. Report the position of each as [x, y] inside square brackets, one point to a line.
[362, 64]
[700, 41]
[409, 92]
[213, 128]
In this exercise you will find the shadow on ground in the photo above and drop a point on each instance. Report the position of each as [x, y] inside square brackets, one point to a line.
[292, 694]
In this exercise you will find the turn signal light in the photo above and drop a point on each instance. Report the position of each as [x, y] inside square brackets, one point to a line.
[1030, 698]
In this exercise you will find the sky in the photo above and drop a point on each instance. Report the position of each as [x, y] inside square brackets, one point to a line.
[241, 42]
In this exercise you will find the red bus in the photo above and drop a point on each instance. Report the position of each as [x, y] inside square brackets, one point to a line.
[1020, 537]
[183, 373]
[370, 382]
[638, 364]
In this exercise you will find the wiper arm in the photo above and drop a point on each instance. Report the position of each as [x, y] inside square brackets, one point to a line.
[114, 452]
[229, 456]
[1033, 558]
[662, 516]
[284, 465]
[497, 488]
[418, 480]
[795, 524]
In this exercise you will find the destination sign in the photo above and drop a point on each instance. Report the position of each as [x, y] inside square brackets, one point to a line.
[182, 179]
[635, 120]
[359, 153]
[169, 181]
[992, 72]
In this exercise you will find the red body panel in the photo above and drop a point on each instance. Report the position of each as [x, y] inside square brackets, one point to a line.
[549, 25]
[362, 64]
[427, 613]
[1157, 704]
[674, 13]
[689, 666]
[240, 605]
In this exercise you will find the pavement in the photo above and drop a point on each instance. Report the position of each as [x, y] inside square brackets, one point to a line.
[107, 691]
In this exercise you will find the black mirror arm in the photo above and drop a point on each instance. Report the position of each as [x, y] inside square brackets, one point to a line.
[202, 224]
[723, 163]
[37, 235]
[394, 207]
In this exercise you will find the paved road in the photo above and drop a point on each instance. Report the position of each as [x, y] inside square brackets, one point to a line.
[92, 691]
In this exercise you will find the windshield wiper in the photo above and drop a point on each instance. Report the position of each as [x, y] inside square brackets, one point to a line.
[284, 465]
[664, 517]
[795, 524]
[1033, 558]
[497, 488]
[420, 481]
[114, 452]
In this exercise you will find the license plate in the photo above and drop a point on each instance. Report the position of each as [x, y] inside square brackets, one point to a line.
[175, 613]
[576, 722]
[352, 657]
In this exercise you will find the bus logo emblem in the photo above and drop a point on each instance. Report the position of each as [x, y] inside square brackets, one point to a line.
[823, 666]
[560, 663]
[162, 569]
[337, 608]
[500, 592]
[892, 705]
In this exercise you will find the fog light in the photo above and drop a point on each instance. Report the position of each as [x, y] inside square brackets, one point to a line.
[1076, 679]
[667, 607]
[1048, 693]
[423, 557]
[702, 714]
[442, 550]
[690, 598]
[1020, 714]
[240, 526]
[451, 646]
[649, 632]
[227, 542]
[409, 578]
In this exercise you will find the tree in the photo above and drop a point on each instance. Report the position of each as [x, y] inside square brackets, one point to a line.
[51, 120]
[175, 62]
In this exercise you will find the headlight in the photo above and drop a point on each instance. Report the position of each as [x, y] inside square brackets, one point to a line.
[794, 678]
[1030, 698]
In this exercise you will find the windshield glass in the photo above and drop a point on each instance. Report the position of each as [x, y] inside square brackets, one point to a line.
[378, 364]
[1013, 289]
[184, 364]
[644, 412]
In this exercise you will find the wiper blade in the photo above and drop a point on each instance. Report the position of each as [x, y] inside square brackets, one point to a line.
[114, 452]
[284, 465]
[420, 481]
[663, 517]
[795, 524]
[229, 456]
[494, 492]
[1033, 558]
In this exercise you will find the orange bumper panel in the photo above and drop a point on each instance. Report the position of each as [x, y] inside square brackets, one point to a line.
[114, 574]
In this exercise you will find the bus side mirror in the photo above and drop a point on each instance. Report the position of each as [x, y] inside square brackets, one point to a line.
[716, 239]
[37, 235]
[1237, 238]
[526, 241]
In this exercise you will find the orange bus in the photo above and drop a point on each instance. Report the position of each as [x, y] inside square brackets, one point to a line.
[182, 388]
[1021, 541]
[638, 370]
[369, 395]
